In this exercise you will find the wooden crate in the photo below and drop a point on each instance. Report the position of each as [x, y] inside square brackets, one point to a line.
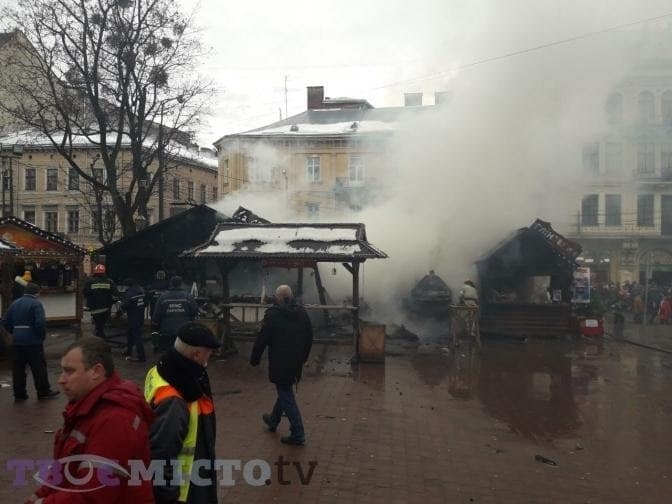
[371, 343]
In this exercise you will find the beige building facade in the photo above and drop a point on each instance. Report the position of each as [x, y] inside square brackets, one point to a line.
[625, 217]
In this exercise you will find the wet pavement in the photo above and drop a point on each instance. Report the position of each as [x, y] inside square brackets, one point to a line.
[581, 421]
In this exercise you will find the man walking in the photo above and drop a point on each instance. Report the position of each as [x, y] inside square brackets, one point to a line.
[174, 309]
[26, 321]
[134, 305]
[106, 424]
[287, 332]
[178, 390]
[99, 292]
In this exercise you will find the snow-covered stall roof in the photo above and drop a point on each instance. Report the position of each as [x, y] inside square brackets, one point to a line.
[318, 242]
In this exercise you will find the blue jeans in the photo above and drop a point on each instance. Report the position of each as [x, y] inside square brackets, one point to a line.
[286, 403]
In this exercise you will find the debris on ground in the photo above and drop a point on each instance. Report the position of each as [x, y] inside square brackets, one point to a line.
[544, 460]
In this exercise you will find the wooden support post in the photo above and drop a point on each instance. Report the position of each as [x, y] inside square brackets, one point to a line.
[320, 292]
[79, 296]
[299, 283]
[224, 268]
[355, 312]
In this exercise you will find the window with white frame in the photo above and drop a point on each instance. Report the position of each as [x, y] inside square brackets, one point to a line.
[190, 190]
[646, 107]
[589, 208]
[666, 160]
[666, 106]
[52, 179]
[204, 194]
[612, 207]
[214, 193]
[646, 157]
[313, 168]
[645, 210]
[225, 175]
[51, 221]
[591, 158]
[73, 221]
[73, 180]
[356, 170]
[29, 215]
[176, 188]
[614, 158]
[30, 179]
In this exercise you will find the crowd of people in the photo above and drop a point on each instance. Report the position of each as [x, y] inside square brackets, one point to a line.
[109, 422]
[634, 299]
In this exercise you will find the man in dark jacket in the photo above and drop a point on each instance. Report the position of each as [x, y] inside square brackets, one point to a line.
[99, 292]
[134, 306]
[174, 309]
[287, 331]
[26, 321]
[178, 390]
[106, 425]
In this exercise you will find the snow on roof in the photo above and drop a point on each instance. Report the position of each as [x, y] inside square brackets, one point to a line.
[319, 241]
[33, 138]
[339, 128]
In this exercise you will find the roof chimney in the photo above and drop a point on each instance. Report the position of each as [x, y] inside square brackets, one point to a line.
[315, 96]
[412, 99]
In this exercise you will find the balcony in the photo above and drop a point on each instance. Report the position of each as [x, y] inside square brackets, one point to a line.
[628, 227]
[653, 178]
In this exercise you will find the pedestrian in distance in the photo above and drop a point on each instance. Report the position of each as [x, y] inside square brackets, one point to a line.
[106, 425]
[174, 309]
[26, 321]
[99, 292]
[287, 332]
[134, 306]
[184, 429]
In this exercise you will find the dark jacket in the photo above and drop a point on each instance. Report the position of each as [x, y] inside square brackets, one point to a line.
[112, 421]
[170, 427]
[99, 292]
[26, 321]
[173, 309]
[288, 333]
[134, 305]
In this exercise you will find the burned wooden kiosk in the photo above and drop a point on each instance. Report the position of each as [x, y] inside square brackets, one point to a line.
[526, 284]
[157, 247]
[54, 263]
[295, 246]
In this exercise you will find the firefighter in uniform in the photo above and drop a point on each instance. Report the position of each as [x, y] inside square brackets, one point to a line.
[174, 309]
[99, 292]
[178, 391]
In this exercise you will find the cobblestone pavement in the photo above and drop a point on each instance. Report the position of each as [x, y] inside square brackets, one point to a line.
[429, 425]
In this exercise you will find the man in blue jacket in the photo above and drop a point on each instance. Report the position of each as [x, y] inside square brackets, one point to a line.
[26, 321]
[134, 305]
[174, 309]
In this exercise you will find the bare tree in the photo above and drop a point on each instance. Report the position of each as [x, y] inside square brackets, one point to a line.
[117, 75]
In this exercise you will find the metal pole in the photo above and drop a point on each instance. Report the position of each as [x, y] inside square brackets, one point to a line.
[646, 288]
[11, 189]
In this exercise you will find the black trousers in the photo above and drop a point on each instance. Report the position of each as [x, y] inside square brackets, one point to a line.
[134, 339]
[33, 356]
[99, 320]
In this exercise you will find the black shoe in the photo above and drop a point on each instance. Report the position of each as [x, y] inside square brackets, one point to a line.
[269, 423]
[20, 399]
[134, 359]
[292, 441]
[126, 355]
[52, 394]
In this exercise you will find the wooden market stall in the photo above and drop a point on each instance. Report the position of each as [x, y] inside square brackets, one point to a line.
[295, 246]
[54, 263]
[526, 283]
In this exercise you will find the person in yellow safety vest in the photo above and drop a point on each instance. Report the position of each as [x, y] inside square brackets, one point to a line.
[178, 391]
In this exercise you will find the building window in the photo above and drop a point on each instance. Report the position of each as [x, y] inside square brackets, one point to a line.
[52, 179]
[6, 180]
[613, 210]
[313, 209]
[29, 215]
[646, 107]
[98, 174]
[645, 210]
[591, 158]
[646, 157]
[176, 188]
[225, 179]
[190, 191]
[313, 168]
[204, 194]
[73, 180]
[214, 193]
[356, 170]
[29, 181]
[614, 158]
[666, 160]
[94, 221]
[666, 106]
[615, 108]
[150, 216]
[110, 220]
[51, 221]
[73, 221]
[589, 207]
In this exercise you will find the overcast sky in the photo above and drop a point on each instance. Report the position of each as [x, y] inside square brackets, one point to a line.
[376, 49]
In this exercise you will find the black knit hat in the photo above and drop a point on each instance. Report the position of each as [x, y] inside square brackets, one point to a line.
[197, 335]
[32, 288]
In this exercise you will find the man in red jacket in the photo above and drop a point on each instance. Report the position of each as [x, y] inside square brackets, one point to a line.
[106, 426]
